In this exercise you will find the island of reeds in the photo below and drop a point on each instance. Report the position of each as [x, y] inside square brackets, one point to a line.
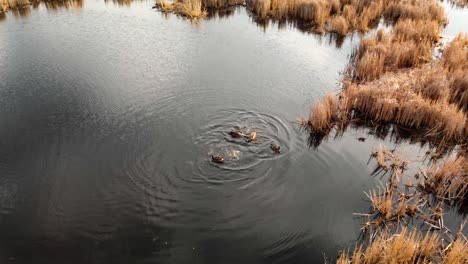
[194, 9]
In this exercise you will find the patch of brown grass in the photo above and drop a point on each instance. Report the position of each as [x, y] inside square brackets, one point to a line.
[456, 252]
[407, 246]
[459, 89]
[7, 4]
[455, 57]
[192, 9]
[221, 3]
[390, 51]
[323, 113]
[338, 25]
[416, 30]
[165, 5]
[416, 10]
[448, 179]
[349, 13]
[393, 100]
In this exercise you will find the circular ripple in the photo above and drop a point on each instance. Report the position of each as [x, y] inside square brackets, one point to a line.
[243, 160]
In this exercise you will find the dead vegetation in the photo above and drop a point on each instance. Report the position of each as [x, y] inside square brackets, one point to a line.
[12, 4]
[429, 97]
[323, 113]
[409, 246]
[392, 77]
[343, 16]
[194, 9]
[23, 7]
[407, 203]
[447, 180]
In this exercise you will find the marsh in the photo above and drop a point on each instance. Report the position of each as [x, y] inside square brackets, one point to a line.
[110, 111]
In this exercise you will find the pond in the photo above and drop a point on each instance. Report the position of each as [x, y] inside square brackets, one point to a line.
[109, 113]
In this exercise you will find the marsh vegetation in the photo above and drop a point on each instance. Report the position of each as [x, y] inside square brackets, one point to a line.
[394, 79]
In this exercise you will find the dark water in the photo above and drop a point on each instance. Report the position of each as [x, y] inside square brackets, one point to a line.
[109, 112]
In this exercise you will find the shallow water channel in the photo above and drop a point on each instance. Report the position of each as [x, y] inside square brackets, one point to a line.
[109, 112]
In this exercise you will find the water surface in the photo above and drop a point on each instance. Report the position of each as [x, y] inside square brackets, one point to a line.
[109, 113]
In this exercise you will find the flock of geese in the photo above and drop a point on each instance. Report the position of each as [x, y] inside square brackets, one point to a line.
[251, 137]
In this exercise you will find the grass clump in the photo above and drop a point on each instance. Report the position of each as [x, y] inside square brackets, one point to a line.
[408, 246]
[448, 180]
[392, 99]
[455, 57]
[194, 9]
[165, 5]
[12, 4]
[190, 8]
[339, 25]
[323, 113]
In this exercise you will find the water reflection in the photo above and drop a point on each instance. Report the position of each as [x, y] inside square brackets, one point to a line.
[65, 4]
[25, 11]
[21, 12]
[461, 4]
[382, 131]
[125, 3]
[222, 13]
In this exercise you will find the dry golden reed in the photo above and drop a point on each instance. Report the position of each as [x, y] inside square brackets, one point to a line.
[359, 15]
[322, 114]
[448, 179]
[7, 4]
[403, 106]
[192, 9]
[455, 57]
[338, 25]
[408, 246]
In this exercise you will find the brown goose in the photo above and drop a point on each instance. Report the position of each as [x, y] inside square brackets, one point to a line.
[236, 133]
[252, 137]
[276, 147]
[217, 158]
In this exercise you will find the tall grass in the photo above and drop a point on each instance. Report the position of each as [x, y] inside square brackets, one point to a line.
[165, 5]
[405, 47]
[455, 56]
[408, 246]
[7, 4]
[448, 179]
[431, 98]
[323, 113]
[221, 3]
[339, 25]
[194, 9]
[359, 15]
[387, 101]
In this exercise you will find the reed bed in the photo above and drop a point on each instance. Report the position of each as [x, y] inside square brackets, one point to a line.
[431, 98]
[408, 246]
[208, 4]
[330, 15]
[194, 9]
[322, 114]
[343, 16]
[409, 45]
[412, 202]
[448, 180]
[394, 101]
[12, 4]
